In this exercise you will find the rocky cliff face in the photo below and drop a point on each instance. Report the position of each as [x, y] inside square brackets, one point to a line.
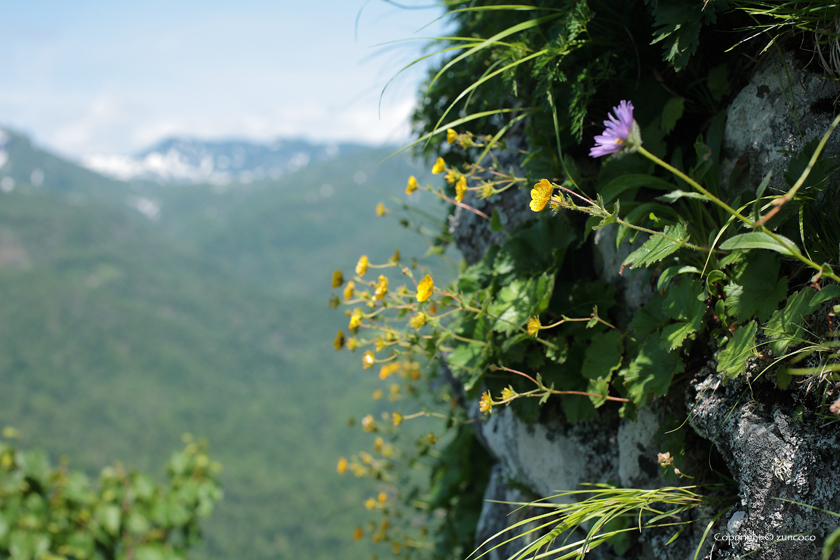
[774, 454]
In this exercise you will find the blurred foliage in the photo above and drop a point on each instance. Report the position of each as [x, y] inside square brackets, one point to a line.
[51, 513]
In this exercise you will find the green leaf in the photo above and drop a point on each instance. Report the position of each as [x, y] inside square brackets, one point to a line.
[756, 289]
[741, 347]
[674, 196]
[684, 304]
[785, 326]
[671, 113]
[519, 300]
[678, 26]
[465, 359]
[670, 273]
[761, 240]
[658, 246]
[831, 543]
[825, 294]
[496, 220]
[599, 386]
[650, 373]
[603, 355]
[718, 81]
[649, 318]
[631, 182]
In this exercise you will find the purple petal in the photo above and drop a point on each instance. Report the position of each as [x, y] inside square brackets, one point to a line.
[617, 130]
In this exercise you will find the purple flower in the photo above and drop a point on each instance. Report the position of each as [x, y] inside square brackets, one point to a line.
[619, 134]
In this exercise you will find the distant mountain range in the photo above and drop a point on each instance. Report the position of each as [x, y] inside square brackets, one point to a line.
[191, 161]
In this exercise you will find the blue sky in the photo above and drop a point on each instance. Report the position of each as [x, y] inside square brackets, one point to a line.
[94, 76]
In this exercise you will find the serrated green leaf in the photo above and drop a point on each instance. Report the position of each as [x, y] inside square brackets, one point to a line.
[658, 246]
[741, 347]
[683, 304]
[756, 289]
[603, 355]
[520, 300]
[785, 326]
[671, 113]
[599, 386]
[761, 240]
[649, 318]
[651, 371]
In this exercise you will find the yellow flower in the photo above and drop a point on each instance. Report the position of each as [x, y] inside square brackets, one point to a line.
[412, 185]
[342, 466]
[377, 394]
[352, 344]
[370, 503]
[380, 209]
[349, 290]
[451, 176]
[379, 343]
[487, 190]
[355, 319]
[431, 438]
[368, 359]
[534, 325]
[362, 265]
[381, 288]
[439, 166]
[541, 194]
[339, 340]
[485, 403]
[418, 321]
[451, 136]
[461, 188]
[377, 444]
[508, 393]
[382, 497]
[388, 369]
[425, 288]
[368, 424]
[397, 418]
[338, 279]
[358, 534]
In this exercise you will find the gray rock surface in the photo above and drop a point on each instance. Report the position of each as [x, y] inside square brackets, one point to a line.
[775, 461]
[631, 283]
[775, 114]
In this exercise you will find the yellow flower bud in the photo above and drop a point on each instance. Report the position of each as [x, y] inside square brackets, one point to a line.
[362, 265]
[461, 188]
[382, 497]
[377, 394]
[342, 466]
[451, 136]
[397, 418]
[349, 290]
[358, 534]
[381, 288]
[339, 340]
[370, 503]
[355, 319]
[439, 166]
[337, 279]
[534, 325]
[412, 185]
[380, 209]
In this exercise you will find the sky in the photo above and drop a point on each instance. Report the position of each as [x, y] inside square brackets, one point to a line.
[103, 77]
